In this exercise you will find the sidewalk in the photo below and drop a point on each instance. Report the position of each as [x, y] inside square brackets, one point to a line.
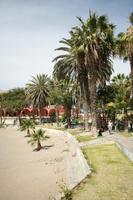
[127, 141]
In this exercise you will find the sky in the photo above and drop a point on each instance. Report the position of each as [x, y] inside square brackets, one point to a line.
[30, 31]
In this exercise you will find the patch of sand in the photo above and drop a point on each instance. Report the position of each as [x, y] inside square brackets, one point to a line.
[29, 175]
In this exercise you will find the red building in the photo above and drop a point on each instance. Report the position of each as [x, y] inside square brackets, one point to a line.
[45, 111]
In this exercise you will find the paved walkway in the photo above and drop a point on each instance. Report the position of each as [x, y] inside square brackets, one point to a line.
[97, 141]
[126, 141]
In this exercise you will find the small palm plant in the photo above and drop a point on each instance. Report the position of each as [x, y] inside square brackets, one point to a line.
[37, 137]
[27, 124]
[67, 193]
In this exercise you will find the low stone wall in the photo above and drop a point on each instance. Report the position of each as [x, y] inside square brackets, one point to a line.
[126, 150]
[77, 167]
[10, 121]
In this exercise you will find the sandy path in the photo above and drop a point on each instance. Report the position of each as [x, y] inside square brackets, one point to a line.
[29, 175]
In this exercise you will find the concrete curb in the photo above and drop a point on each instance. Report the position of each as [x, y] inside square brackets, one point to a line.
[125, 150]
[77, 167]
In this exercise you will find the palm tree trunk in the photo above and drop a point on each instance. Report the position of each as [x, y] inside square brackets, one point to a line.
[84, 88]
[85, 108]
[125, 120]
[28, 132]
[39, 112]
[85, 105]
[131, 65]
[93, 104]
[1, 117]
[77, 111]
[39, 146]
[1, 111]
[68, 116]
[57, 115]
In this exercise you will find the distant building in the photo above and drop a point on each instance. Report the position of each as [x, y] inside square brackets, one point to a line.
[46, 111]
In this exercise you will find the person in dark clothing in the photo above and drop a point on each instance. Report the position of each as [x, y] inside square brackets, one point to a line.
[100, 131]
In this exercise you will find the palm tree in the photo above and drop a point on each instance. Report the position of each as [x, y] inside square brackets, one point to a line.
[122, 87]
[37, 91]
[96, 40]
[89, 53]
[37, 137]
[27, 124]
[70, 66]
[124, 47]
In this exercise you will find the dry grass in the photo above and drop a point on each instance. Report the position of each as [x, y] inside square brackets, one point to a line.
[53, 126]
[61, 127]
[75, 131]
[84, 138]
[112, 176]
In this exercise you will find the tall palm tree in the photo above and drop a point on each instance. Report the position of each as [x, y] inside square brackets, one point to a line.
[90, 49]
[71, 67]
[124, 47]
[37, 91]
[96, 40]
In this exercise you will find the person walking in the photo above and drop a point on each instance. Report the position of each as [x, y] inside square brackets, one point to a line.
[110, 125]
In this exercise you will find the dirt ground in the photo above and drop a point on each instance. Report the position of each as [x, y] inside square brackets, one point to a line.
[29, 175]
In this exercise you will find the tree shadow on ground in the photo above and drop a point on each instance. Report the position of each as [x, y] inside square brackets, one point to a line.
[45, 147]
[27, 136]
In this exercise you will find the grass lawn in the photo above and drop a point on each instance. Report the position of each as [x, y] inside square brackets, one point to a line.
[53, 126]
[76, 131]
[111, 178]
[84, 138]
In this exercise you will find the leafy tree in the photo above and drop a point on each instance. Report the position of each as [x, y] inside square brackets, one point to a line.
[105, 94]
[67, 99]
[117, 107]
[121, 84]
[37, 137]
[1, 110]
[63, 93]
[13, 101]
[27, 124]
[55, 95]
[37, 91]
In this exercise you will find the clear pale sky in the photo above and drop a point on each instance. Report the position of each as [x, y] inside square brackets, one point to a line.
[30, 30]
